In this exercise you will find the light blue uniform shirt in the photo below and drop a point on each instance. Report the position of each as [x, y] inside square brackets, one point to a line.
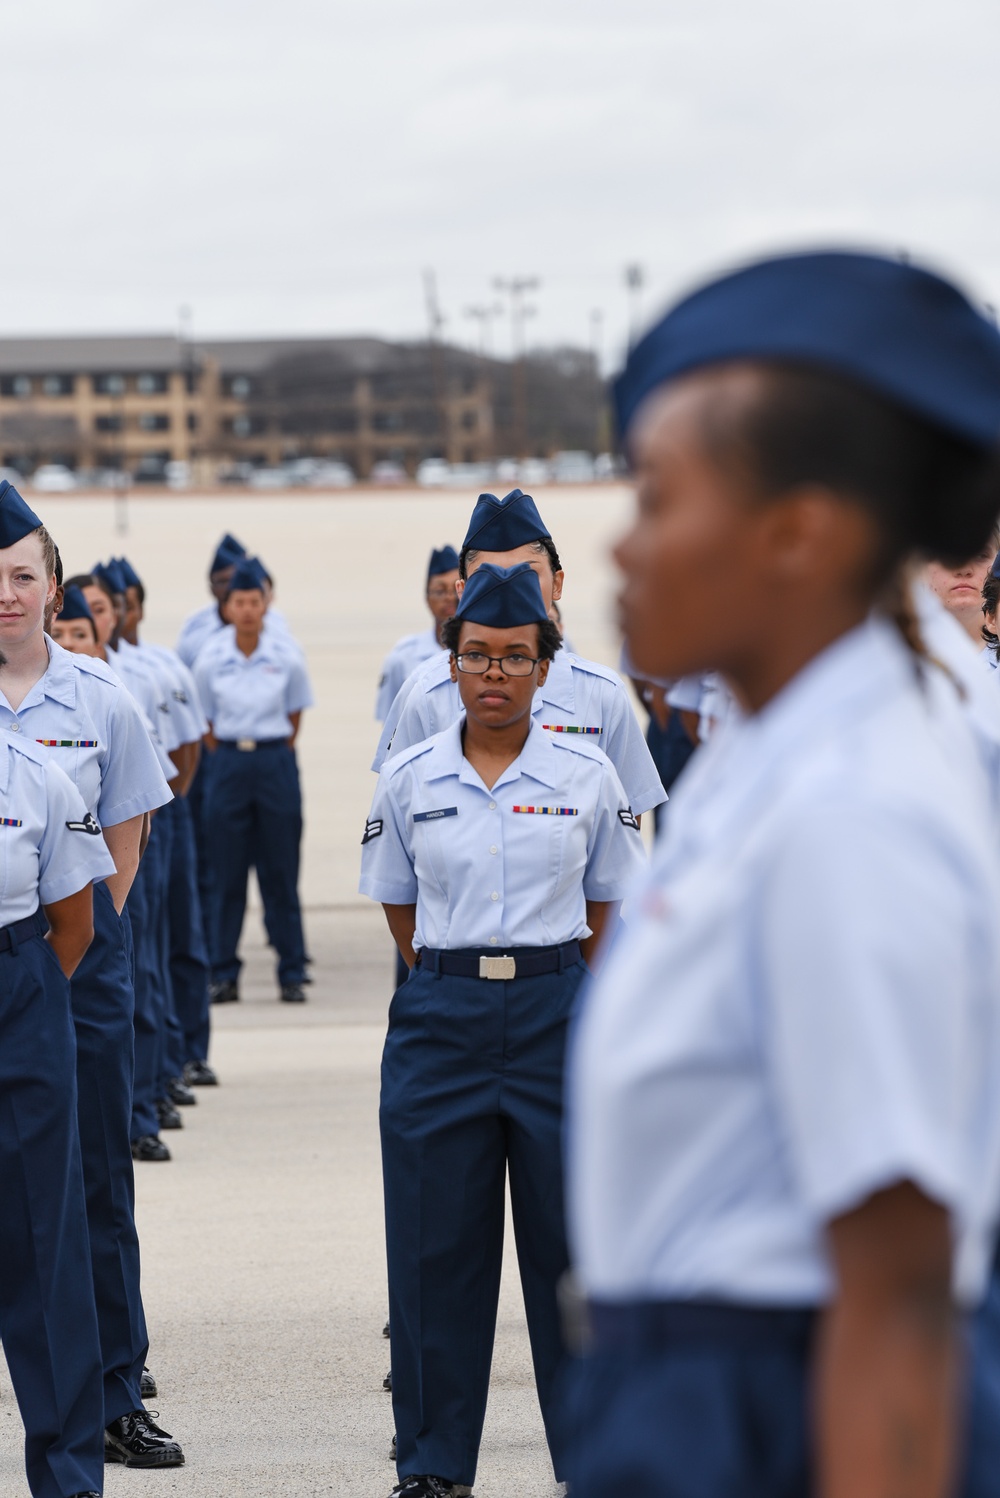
[509, 867]
[580, 696]
[182, 694]
[147, 685]
[404, 658]
[82, 713]
[251, 697]
[49, 847]
[805, 1008]
[205, 625]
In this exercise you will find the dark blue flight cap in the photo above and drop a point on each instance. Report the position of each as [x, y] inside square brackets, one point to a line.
[249, 574]
[75, 605]
[995, 569]
[504, 524]
[128, 572]
[228, 553]
[444, 559]
[902, 331]
[110, 573]
[17, 519]
[502, 597]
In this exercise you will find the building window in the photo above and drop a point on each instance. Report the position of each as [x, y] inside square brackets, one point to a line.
[239, 388]
[107, 423]
[109, 384]
[151, 421]
[247, 426]
[151, 384]
[469, 421]
[57, 385]
[17, 385]
[192, 422]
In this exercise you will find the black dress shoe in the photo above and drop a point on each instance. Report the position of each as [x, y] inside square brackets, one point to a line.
[385, 1330]
[89, 1494]
[387, 1382]
[429, 1487]
[149, 1147]
[168, 1115]
[293, 993]
[135, 1441]
[200, 1074]
[180, 1093]
[224, 993]
[392, 1450]
[147, 1385]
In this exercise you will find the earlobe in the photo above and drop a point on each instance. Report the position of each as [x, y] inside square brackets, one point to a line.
[453, 668]
[557, 585]
[543, 671]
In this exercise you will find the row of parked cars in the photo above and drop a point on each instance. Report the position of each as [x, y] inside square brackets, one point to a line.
[324, 473]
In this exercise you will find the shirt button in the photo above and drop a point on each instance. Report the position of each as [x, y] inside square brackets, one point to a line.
[494, 848]
[15, 728]
[494, 940]
[493, 806]
[494, 896]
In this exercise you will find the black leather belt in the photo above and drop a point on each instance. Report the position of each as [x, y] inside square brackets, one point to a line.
[485, 962]
[248, 746]
[32, 925]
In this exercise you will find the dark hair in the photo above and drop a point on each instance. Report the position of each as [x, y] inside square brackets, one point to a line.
[83, 580]
[58, 566]
[139, 589]
[549, 638]
[929, 491]
[544, 543]
[991, 599]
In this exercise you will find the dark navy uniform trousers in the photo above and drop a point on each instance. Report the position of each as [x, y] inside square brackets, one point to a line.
[47, 1318]
[253, 816]
[472, 1085]
[188, 957]
[103, 1001]
[147, 908]
[697, 1401]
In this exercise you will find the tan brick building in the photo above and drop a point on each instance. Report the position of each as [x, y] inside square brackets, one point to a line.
[139, 403]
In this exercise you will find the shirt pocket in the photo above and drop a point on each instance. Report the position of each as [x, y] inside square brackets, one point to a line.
[537, 846]
[440, 853]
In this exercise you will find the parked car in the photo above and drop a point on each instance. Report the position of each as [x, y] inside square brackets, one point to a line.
[433, 473]
[12, 476]
[269, 478]
[178, 474]
[607, 466]
[533, 471]
[386, 472]
[53, 478]
[332, 475]
[573, 468]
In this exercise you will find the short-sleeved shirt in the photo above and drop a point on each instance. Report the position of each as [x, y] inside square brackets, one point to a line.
[148, 686]
[580, 699]
[251, 697]
[182, 692]
[50, 848]
[205, 625]
[510, 866]
[80, 711]
[403, 659]
[806, 1006]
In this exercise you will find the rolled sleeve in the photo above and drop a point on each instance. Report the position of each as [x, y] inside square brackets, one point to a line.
[132, 781]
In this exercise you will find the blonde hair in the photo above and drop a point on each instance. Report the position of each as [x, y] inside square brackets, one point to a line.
[48, 550]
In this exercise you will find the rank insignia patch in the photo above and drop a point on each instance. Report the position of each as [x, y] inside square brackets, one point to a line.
[628, 818]
[89, 824]
[372, 829]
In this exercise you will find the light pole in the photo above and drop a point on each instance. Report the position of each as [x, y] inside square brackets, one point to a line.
[635, 279]
[520, 311]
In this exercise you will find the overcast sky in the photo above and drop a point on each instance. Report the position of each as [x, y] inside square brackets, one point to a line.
[295, 166]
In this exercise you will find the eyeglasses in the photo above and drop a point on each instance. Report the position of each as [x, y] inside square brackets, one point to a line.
[475, 663]
[442, 593]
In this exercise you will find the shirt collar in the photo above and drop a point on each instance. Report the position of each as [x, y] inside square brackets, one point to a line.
[559, 690]
[60, 679]
[536, 759]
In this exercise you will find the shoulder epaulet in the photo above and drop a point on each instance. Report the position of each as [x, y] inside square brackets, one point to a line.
[593, 668]
[412, 752]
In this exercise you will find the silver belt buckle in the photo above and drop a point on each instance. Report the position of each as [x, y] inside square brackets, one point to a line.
[497, 967]
[246, 744]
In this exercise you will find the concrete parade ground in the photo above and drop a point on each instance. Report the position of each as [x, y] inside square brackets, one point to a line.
[262, 1240]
